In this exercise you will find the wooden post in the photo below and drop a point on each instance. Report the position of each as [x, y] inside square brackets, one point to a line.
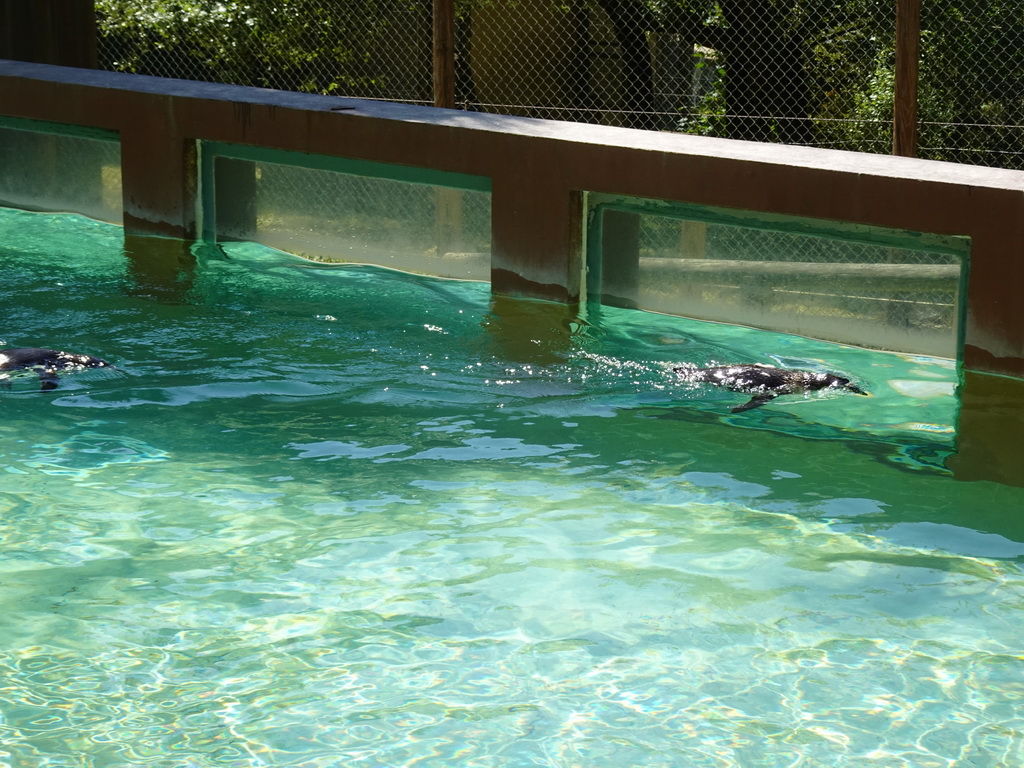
[444, 54]
[448, 202]
[908, 37]
[49, 32]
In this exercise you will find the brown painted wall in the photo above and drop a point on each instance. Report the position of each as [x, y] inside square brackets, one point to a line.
[538, 171]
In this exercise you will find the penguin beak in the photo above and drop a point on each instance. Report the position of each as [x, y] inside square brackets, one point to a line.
[855, 389]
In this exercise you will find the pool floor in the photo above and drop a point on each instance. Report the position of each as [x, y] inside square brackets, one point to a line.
[341, 515]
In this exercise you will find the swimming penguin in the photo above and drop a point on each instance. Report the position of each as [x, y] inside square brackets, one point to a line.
[45, 362]
[765, 382]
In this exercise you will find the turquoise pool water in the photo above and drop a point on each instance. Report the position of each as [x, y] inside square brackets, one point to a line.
[344, 516]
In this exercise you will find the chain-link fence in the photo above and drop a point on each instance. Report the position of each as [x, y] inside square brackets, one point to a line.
[876, 294]
[362, 48]
[812, 72]
[334, 216]
[800, 275]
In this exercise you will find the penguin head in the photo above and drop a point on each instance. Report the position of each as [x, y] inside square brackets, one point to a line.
[819, 380]
[841, 382]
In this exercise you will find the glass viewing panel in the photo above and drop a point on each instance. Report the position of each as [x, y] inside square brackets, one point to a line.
[337, 210]
[873, 288]
[51, 168]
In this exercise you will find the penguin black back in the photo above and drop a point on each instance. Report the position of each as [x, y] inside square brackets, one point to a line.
[765, 382]
[45, 362]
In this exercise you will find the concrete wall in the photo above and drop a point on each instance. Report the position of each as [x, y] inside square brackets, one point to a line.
[539, 171]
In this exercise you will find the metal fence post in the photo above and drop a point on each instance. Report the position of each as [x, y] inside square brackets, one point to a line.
[444, 53]
[904, 117]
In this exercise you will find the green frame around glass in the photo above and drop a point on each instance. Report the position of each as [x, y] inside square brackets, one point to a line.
[209, 151]
[59, 129]
[598, 203]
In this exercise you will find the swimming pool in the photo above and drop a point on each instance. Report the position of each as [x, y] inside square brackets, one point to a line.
[341, 515]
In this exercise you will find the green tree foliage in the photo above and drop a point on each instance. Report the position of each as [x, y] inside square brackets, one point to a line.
[816, 72]
[829, 67]
[972, 82]
[304, 45]
[792, 70]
